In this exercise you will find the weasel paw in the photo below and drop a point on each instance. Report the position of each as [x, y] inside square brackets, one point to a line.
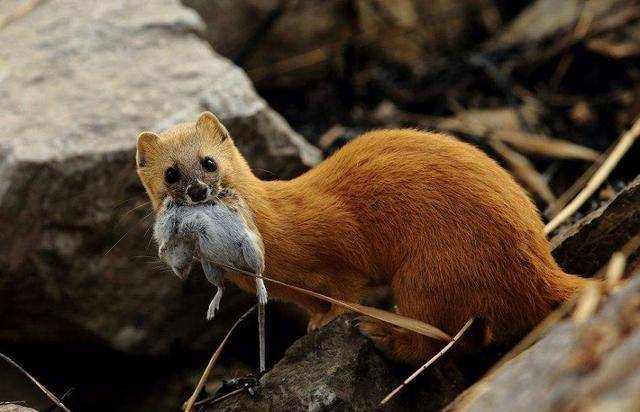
[381, 334]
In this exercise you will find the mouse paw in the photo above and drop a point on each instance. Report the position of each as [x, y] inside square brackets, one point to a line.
[211, 312]
[214, 305]
[261, 291]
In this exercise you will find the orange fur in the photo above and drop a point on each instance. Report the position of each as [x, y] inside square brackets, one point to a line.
[434, 218]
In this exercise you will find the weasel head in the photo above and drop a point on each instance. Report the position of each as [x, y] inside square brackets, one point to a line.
[190, 163]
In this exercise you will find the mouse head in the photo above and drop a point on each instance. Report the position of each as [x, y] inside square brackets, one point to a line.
[175, 249]
[178, 253]
[190, 163]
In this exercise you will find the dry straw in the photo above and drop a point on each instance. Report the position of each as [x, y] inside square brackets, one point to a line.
[429, 363]
[40, 386]
[614, 157]
[214, 358]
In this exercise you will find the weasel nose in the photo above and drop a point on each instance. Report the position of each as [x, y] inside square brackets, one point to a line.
[197, 193]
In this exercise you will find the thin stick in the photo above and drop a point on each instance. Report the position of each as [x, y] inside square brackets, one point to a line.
[50, 395]
[214, 359]
[626, 141]
[429, 363]
[261, 338]
[615, 270]
[214, 400]
[587, 303]
[382, 315]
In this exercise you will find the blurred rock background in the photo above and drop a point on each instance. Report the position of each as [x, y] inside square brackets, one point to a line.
[545, 87]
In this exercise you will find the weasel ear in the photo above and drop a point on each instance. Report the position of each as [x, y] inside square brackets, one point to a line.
[147, 144]
[209, 126]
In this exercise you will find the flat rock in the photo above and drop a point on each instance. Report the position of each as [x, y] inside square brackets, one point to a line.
[575, 367]
[78, 81]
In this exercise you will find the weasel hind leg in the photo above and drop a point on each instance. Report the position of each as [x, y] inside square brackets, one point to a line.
[413, 300]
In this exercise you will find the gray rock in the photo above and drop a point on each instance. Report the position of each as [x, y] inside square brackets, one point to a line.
[591, 366]
[585, 246]
[78, 81]
[337, 369]
[12, 407]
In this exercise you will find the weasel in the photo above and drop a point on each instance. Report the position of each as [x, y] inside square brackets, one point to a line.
[437, 220]
[217, 234]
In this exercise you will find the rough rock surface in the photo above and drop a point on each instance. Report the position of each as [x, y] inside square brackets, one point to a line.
[586, 246]
[78, 81]
[575, 367]
[15, 408]
[337, 369]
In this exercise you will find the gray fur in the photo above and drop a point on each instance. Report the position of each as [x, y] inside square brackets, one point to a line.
[218, 234]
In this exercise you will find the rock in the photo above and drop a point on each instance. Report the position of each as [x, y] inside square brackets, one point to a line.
[12, 407]
[338, 369]
[586, 246]
[591, 366]
[78, 81]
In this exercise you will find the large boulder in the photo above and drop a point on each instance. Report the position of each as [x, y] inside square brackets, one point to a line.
[575, 367]
[79, 79]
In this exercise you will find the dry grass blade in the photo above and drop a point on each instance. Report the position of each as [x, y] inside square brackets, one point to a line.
[44, 390]
[429, 363]
[214, 358]
[587, 303]
[546, 146]
[213, 400]
[623, 145]
[615, 270]
[382, 315]
[524, 170]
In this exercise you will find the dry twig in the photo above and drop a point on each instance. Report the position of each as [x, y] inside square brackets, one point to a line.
[429, 363]
[214, 358]
[587, 303]
[44, 390]
[623, 145]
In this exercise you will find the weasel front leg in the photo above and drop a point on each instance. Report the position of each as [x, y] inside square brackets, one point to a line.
[320, 319]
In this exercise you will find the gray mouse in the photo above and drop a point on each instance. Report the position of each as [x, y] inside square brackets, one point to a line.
[218, 235]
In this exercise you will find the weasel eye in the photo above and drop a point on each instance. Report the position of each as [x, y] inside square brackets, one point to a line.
[209, 165]
[171, 175]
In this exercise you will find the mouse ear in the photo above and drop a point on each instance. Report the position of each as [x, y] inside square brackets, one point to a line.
[208, 126]
[147, 145]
